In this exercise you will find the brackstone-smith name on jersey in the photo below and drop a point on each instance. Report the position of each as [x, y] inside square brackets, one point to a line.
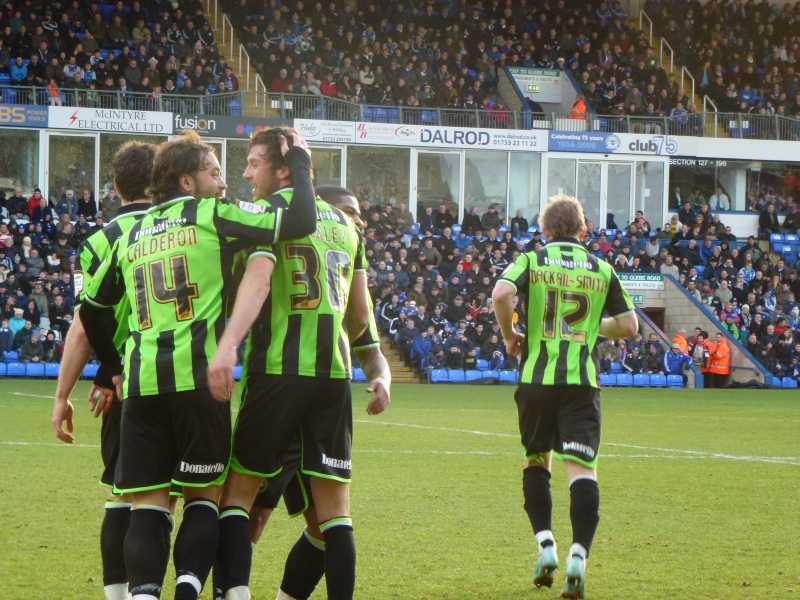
[336, 463]
[578, 447]
[163, 242]
[563, 279]
[201, 469]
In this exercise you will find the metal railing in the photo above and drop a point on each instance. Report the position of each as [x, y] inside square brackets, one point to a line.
[229, 103]
[645, 18]
[685, 74]
[287, 107]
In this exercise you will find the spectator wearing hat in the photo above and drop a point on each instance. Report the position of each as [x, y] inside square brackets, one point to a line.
[16, 323]
[676, 361]
[32, 349]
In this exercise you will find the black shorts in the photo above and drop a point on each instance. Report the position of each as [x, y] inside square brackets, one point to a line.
[561, 418]
[182, 438]
[289, 483]
[109, 442]
[278, 409]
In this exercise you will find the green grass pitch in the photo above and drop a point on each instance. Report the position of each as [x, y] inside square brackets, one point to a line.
[699, 498]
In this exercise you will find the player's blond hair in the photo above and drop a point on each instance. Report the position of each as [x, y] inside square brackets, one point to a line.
[562, 217]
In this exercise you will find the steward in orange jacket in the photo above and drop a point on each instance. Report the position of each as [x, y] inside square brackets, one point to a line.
[578, 108]
[680, 339]
[719, 361]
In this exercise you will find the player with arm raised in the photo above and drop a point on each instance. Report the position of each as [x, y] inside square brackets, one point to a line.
[297, 385]
[174, 267]
[305, 564]
[131, 165]
[566, 292]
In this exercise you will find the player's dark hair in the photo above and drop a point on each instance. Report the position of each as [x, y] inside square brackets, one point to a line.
[332, 193]
[184, 155]
[271, 140]
[132, 166]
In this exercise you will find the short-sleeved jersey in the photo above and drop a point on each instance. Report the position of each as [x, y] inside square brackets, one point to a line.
[567, 291]
[174, 266]
[299, 329]
[95, 249]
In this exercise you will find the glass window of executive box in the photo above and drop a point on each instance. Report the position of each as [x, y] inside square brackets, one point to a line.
[737, 185]
[19, 161]
[486, 181]
[109, 144]
[525, 185]
[379, 175]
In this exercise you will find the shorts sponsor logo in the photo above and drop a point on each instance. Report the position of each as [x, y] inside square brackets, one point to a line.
[201, 469]
[577, 447]
[336, 463]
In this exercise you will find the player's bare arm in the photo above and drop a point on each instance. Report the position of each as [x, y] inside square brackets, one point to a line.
[76, 353]
[503, 301]
[252, 292]
[620, 326]
[356, 318]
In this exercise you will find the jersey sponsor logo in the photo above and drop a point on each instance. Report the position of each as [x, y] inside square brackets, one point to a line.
[163, 242]
[568, 263]
[160, 227]
[201, 469]
[251, 207]
[577, 447]
[336, 463]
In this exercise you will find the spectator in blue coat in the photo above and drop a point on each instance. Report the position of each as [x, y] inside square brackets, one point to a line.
[676, 362]
[18, 71]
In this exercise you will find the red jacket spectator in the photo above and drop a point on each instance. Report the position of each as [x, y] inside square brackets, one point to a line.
[281, 84]
[35, 205]
[328, 87]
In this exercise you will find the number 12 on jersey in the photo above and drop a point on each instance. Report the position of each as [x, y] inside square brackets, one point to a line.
[570, 308]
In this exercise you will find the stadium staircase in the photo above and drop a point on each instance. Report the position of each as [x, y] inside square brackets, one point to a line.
[685, 311]
[234, 54]
[400, 372]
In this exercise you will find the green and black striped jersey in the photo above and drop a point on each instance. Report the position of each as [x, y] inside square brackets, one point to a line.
[299, 329]
[95, 249]
[567, 291]
[174, 267]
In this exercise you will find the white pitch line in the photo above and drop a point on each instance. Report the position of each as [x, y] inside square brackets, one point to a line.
[48, 444]
[785, 460]
[31, 395]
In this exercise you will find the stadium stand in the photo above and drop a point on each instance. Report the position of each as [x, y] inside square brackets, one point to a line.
[432, 287]
[138, 55]
[400, 57]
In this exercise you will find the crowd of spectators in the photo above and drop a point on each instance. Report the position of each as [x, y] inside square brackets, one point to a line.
[39, 241]
[431, 283]
[446, 54]
[83, 48]
[742, 54]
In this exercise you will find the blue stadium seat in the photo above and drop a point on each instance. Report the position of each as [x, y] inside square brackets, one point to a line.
[482, 364]
[674, 381]
[5, 78]
[15, 369]
[624, 379]
[456, 376]
[700, 269]
[438, 375]
[34, 370]
[775, 237]
[616, 367]
[234, 108]
[429, 117]
[12, 356]
[658, 380]
[392, 115]
[51, 369]
[641, 380]
[237, 372]
[473, 375]
[90, 370]
[508, 376]
[491, 374]
[789, 383]
[608, 379]
[774, 382]
[3, 369]
[791, 238]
